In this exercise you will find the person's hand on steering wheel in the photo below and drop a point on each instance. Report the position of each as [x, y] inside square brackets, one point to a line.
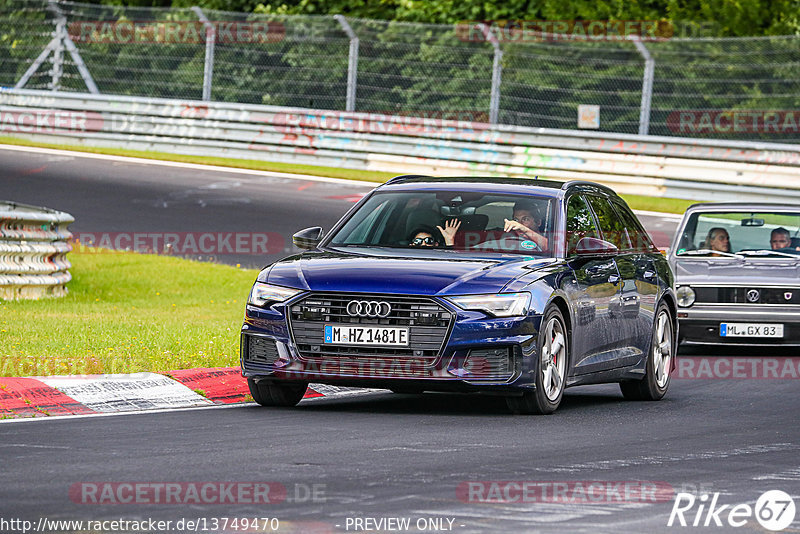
[522, 231]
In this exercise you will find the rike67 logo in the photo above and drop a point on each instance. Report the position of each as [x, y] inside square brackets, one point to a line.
[774, 510]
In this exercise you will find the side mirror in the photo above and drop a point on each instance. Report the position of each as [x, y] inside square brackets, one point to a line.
[590, 246]
[308, 238]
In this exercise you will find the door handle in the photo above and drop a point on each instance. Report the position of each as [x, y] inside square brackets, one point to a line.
[613, 279]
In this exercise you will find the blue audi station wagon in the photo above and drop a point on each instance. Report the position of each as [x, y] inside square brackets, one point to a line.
[513, 287]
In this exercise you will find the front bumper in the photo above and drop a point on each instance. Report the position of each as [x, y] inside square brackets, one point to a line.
[479, 353]
[700, 324]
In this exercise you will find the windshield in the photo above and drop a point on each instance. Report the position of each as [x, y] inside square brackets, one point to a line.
[741, 234]
[453, 220]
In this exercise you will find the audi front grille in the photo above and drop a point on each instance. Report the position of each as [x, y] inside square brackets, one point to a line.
[428, 325]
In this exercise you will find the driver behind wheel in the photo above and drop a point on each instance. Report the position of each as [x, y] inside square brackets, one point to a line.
[526, 223]
[780, 238]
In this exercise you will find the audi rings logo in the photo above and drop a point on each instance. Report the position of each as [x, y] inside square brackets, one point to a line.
[368, 308]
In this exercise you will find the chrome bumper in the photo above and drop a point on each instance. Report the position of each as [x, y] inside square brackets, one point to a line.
[746, 313]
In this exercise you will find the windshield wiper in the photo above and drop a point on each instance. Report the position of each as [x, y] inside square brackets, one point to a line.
[765, 252]
[706, 251]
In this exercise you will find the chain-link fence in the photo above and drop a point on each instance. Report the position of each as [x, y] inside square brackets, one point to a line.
[736, 88]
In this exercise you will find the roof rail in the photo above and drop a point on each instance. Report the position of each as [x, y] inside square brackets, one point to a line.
[573, 183]
[405, 177]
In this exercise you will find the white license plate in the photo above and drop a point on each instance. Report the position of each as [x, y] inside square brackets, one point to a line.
[750, 330]
[366, 335]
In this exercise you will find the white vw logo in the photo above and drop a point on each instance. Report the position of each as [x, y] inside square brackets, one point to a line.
[368, 308]
[753, 295]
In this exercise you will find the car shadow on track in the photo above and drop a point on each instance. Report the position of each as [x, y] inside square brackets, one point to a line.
[454, 403]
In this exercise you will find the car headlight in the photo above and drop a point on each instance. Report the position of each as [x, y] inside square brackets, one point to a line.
[685, 296]
[499, 305]
[263, 294]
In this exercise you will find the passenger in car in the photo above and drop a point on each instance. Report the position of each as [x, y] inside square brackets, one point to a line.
[780, 238]
[426, 236]
[526, 222]
[718, 239]
[422, 237]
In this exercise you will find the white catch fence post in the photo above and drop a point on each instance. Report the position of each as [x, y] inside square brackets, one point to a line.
[647, 85]
[208, 66]
[352, 63]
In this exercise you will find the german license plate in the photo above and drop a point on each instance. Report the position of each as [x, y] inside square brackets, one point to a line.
[750, 330]
[366, 335]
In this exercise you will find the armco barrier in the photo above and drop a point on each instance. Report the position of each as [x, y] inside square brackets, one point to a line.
[33, 251]
[446, 145]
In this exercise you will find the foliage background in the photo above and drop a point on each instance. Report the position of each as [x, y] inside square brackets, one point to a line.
[743, 55]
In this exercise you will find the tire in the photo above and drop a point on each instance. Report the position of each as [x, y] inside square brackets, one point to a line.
[552, 349]
[656, 379]
[272, 394]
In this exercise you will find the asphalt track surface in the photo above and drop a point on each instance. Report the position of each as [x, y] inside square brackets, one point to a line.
[120, 197]
[378, 455]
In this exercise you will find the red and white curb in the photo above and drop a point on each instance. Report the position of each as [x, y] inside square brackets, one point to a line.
[97, 394]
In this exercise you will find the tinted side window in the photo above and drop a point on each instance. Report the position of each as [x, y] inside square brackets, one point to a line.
[637, 236]
[580, 222]
[610, 225]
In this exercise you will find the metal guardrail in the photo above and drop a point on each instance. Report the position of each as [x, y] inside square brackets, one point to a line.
[649, 165]
[33, 251]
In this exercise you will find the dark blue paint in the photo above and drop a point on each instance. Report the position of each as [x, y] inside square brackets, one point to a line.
[610, 324]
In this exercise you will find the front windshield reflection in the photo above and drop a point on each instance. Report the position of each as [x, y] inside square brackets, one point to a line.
[458, 221]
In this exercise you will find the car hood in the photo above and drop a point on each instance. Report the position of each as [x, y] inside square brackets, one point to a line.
[750, 272]
[335, 271]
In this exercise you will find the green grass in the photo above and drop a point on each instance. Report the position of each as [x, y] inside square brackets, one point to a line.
[637, 202]
[127, 313]
[663, 205]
